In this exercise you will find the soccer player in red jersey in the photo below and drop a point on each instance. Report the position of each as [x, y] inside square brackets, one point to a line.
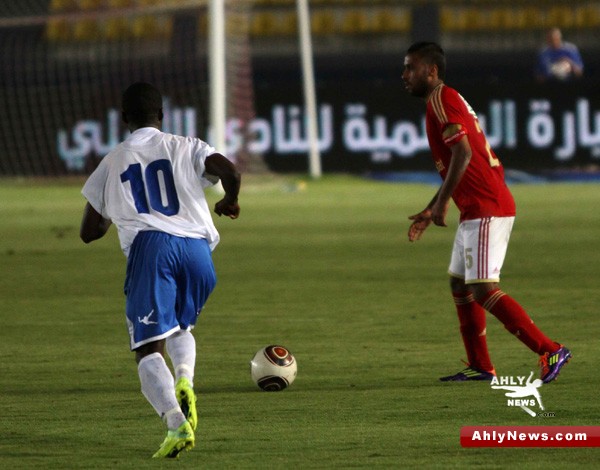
[474, 178]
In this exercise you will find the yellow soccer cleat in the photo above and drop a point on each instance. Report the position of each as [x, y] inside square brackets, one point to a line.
[187, 400]
[176, 441]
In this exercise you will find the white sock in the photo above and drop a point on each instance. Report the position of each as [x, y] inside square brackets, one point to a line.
[158, 387]
[181, 347]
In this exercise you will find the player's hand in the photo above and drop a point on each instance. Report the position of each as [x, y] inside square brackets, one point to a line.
[420, 222]
[227, 207]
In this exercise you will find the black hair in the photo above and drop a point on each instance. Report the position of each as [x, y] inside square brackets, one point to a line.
[431, 53]
[142, 102]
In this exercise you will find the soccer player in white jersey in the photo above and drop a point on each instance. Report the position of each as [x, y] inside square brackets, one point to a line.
[151, 186]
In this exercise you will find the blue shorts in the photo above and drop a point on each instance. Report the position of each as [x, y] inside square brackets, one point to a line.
[167, 283]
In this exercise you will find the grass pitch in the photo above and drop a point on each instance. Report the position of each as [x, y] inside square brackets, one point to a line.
[324, 268]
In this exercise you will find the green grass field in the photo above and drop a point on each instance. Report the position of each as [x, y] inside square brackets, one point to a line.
[326, 270]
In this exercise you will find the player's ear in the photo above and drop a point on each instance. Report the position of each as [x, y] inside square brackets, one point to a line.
[433, 71]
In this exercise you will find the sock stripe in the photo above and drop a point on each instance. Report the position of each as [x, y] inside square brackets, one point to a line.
[463, 300]
[171, 412]
[493, 299]
[181, 369]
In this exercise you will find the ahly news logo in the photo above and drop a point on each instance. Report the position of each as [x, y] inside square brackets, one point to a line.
[520, 392]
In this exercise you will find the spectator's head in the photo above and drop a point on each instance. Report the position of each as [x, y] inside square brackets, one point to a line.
[554, 38]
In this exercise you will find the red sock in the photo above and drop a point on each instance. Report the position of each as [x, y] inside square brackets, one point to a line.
[515, 319]
[472, 328]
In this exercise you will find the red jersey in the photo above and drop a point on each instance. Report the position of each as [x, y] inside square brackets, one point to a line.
[482, 191]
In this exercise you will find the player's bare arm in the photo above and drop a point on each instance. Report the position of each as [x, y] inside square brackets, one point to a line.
[93, 225]
[461, 156]
[217, 165]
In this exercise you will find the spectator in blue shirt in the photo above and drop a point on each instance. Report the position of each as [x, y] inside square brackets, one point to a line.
[559, 60]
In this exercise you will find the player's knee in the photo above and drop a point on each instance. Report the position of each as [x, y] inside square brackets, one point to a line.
[481, 290]
[150, 348]
[457, 285]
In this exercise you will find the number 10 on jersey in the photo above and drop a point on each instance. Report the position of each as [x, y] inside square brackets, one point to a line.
[153, 188]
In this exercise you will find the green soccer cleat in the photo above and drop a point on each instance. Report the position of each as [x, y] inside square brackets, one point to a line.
[176, 441]
[187, 400]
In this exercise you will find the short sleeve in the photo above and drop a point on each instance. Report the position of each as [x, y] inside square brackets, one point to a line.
[93, 189]
[202, 151]
[453, 114]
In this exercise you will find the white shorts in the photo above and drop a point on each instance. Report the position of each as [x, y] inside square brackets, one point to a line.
[479, 249]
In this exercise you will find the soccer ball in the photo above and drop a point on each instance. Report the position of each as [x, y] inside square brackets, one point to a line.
[273, 368]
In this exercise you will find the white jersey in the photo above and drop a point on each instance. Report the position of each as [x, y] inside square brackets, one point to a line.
[154, 181]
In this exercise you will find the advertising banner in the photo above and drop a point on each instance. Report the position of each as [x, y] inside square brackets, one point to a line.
[362, 126]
